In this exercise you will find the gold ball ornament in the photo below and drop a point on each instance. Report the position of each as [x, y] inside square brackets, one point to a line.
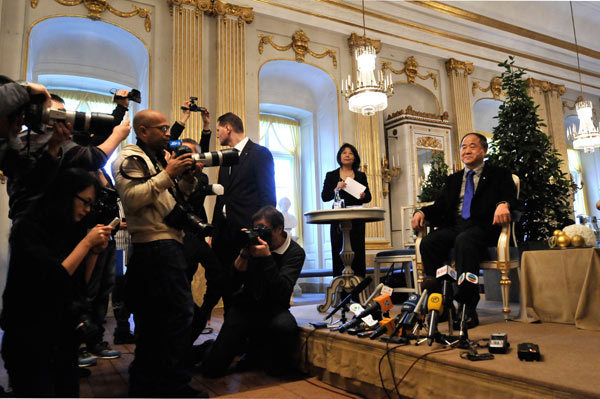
[557, 232]
[563, 241]
[598, 205]
[577, 241]
[562, 233]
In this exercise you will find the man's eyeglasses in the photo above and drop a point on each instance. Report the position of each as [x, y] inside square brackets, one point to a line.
[86, 202]
[163, 128]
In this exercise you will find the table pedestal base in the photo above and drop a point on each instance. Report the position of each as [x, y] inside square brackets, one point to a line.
[340, 286]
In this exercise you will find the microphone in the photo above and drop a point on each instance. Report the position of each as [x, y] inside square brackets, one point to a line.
[375, 292]
[407, 310]
[387, 324]
[353, 295]
[382, 303]
[357, 309]
[446, 274]
[468, 289]
[463, 334]
[435, 308]
[412, 318]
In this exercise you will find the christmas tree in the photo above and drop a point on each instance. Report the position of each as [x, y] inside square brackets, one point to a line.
[520, 146]
[433, 184]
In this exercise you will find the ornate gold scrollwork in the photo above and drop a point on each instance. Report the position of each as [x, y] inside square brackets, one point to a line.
[429, 142]
[495, 87]
[455, 65]
[360, 41]
[545, 86]
[299, 44]
[215, 7]
[97, 7]
[411, 69]
[443, 118]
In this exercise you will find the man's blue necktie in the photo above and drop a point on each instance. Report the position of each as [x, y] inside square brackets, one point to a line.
[469, 190]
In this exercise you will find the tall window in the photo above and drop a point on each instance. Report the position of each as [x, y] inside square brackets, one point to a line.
[281, 136]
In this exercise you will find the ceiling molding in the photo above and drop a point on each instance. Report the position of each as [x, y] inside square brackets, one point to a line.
[506, 27]
[488, 46]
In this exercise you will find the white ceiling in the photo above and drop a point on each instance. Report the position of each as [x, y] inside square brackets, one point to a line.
[489, 31]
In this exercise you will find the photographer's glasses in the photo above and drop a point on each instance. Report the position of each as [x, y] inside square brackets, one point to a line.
[163, 128]
[86, 202]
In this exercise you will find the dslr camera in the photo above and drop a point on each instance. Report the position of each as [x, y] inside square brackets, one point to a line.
[248, 238]
[106, 207]
[133, 95]
[227, 157]
[193, 107]
[37, 117]
[182, 218]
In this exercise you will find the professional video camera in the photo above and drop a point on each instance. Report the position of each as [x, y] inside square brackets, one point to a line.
[133, 95]
[226, 157]
[248, 238]
[37, 117]
[193, 107]
[184, 219]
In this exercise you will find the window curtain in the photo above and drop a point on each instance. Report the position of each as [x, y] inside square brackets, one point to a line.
[287, 133]
[76, 100]
[575, 168]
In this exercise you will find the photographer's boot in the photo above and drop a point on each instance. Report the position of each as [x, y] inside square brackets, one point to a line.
[103, 350]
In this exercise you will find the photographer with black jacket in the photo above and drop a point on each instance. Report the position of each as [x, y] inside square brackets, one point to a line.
[259, 322]
[48, 246]
[198, 251]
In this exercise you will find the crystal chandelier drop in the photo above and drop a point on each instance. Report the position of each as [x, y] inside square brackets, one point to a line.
[369, 93]
[587, 137]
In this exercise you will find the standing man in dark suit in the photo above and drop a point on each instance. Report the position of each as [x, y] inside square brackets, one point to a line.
[249, 186]
[469, 212]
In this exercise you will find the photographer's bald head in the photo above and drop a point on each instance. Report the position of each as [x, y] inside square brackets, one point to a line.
[152, 128]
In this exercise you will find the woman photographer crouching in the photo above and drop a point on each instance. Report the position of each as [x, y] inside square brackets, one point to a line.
[47, 245]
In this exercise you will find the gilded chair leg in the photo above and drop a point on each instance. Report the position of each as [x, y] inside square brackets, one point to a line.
[505, 285]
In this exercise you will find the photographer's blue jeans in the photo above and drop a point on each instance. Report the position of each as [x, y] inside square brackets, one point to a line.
[160, 297]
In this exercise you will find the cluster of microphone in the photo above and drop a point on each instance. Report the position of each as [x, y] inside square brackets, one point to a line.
[419, 312]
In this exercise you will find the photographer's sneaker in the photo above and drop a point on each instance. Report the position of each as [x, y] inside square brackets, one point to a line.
[85, 359]
[104, 351]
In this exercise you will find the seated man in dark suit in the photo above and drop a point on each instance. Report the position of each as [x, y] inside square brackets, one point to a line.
[469, 212]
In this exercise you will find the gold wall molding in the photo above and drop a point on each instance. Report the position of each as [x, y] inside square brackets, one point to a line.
[546, 86]
[299, 44]
[430, 142]
[409, 111]
[411, 70]
[231, 68]
[366, 135]
[356, 40]
[97, 7]
[442, 34]
[214, 8]
[454, 65]
[186, 64]
[458, 76]
[495, 87]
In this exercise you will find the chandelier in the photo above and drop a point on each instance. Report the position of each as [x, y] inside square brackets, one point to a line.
[587, 137]
[369, 93]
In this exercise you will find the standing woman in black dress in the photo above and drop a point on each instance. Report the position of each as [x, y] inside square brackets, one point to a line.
[349, 161]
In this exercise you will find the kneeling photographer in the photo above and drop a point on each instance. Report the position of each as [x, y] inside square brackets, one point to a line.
[158, 288]
[259, 323]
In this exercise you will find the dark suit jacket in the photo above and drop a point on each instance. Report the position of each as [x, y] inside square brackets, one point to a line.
[250, 186]
[495, 186]
[331, 180]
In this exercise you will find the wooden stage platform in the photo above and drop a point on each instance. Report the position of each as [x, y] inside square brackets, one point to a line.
[569, 366]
